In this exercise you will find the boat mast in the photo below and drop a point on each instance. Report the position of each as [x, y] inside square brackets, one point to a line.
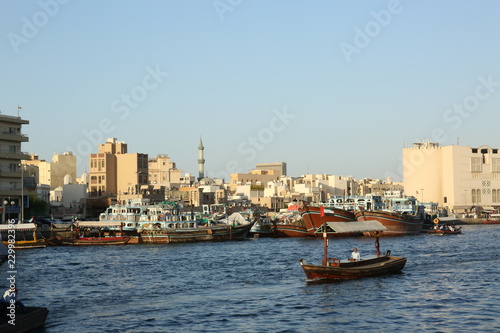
[325, 249]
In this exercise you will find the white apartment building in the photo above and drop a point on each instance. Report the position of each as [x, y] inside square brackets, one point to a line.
[456, 177]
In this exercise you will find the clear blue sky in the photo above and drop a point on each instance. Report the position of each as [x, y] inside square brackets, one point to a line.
[332, 87]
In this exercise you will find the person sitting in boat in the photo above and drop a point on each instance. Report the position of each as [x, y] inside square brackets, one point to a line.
[355, 254]
[8, 298]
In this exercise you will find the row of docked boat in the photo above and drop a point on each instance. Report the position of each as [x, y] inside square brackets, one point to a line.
[162, 223]
[400, 216]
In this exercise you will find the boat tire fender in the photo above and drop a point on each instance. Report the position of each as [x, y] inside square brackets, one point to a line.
[388, 253]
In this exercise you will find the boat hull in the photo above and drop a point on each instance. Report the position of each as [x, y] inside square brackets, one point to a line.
[88, 241]
[313, 218]
[396, 223]
[34, 318]
[203, 234]
[290, 230]
[491, 222]
[34, 244]
[443, 232]
[355, 270]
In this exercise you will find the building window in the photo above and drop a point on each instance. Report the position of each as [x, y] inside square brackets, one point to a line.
[476, 165]
[476, 196]
[495, 165]
[474, 150]
[445, 199]
[494, 197]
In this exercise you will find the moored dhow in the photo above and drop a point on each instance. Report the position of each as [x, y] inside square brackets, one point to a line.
[165, 222]
[314, 217]
[397, 223]
[234, 227]
[403, 217]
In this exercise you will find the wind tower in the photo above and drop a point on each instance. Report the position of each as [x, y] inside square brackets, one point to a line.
[201, 161]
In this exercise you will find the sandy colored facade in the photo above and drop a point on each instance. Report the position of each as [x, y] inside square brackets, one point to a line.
[456, 177]
[257, 177]
[131, 172]
[163, 172]
[11, 138]
[103, 168]
[279, 168]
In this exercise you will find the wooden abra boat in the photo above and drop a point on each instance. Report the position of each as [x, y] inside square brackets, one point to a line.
[99, 239]
[33, 318]
[21, 235]
[336, 269]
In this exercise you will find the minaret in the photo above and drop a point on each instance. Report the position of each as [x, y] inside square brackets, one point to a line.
[201, 161]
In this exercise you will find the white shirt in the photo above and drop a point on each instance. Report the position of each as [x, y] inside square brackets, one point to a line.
[8, 295]
[355, 256]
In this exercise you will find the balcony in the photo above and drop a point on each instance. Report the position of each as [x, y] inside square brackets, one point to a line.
[14, 156]
[10, 174]
[7, 136]
[8, 192]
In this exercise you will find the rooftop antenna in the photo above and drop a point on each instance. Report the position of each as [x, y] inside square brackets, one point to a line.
[18, 109]
[458, 141]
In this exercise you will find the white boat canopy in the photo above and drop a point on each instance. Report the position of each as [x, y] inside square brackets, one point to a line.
[355, 226]
[19, 226]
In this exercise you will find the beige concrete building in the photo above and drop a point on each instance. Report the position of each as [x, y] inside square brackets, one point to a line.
[163, 172]
[278, 168]
[255, 177]
[54, 173]
[456, 177]
[113, 171]
[131, 172]
[11, 138]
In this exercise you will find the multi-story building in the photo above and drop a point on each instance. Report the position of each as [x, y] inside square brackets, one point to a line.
[459, 178]
[131, 172]
[278, 168]
[163, 172]
[54, 173]
[254, 177]
[103, 168]
[116, 173]
[11, 187]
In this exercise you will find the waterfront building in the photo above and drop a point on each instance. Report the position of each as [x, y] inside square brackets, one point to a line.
[52, 173]
[278, 168]
[459, 178]
[163, 172]
[11, 155]
[254, 177]
[379, 187]
[103, 168]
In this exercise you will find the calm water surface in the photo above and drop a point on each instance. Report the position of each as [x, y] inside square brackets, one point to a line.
[449, 284]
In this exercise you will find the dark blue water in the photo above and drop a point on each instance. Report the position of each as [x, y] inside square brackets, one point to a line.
[450, 284]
